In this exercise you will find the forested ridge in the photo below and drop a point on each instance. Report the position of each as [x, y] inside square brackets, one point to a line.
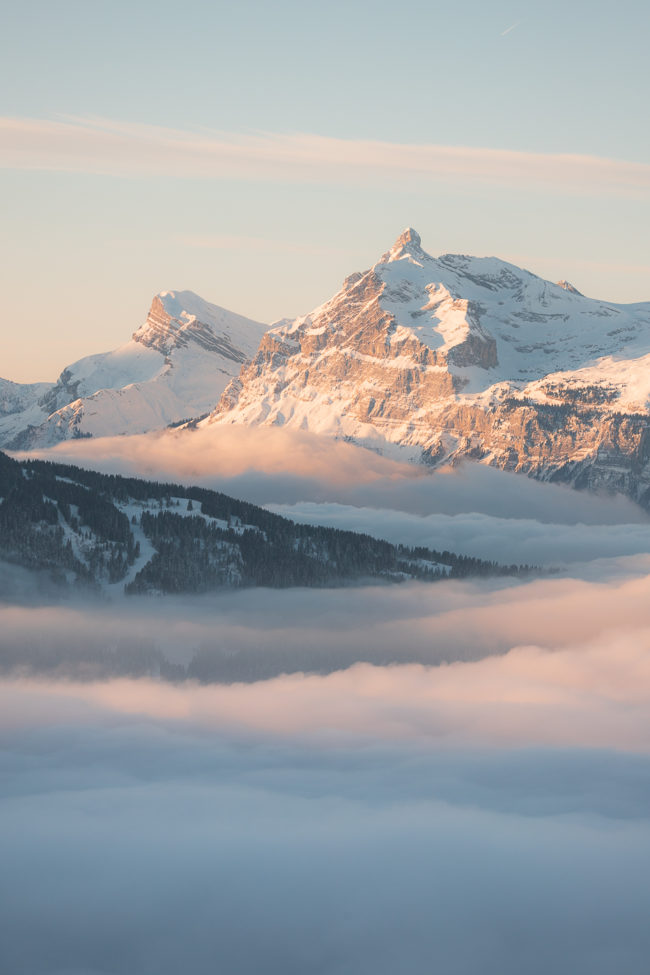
[98, 529]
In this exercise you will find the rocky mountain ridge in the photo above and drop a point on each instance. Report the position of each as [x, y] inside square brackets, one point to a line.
[462, 357]
[430, 359]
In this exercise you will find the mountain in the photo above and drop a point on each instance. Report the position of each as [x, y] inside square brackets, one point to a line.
[120, 534]
[458, 356]
[175, 366]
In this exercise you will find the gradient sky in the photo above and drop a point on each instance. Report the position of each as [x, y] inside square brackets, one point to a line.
[257, 153]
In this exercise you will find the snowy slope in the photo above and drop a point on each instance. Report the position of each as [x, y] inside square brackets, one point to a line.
[174, 367]
[18, 397]
[19, 405]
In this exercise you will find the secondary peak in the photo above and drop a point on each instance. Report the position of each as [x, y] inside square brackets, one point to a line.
[569, 287]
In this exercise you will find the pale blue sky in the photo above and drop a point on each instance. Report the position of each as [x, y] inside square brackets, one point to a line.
[98, 217]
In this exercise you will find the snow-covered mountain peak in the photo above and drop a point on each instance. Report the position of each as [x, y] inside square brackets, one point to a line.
[459, 356]
[480, 320]
[175, 367]
[407, 246]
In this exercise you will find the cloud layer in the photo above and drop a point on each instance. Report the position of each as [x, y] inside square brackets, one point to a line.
[163, 845]
[360, 781]
[272, 464]
[555, 661]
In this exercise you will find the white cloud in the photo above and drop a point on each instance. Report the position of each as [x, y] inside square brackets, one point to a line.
[143, 848]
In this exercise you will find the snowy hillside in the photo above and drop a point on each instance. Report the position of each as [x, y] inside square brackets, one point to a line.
[175, 366]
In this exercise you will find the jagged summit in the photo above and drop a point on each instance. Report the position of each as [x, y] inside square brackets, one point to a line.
[409, 236]
[408, 244]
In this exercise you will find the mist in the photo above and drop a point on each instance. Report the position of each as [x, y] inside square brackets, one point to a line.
[253, 634]
[276, 465]
[510, 540]
[330, 805]
[447, 776]
[185, 840]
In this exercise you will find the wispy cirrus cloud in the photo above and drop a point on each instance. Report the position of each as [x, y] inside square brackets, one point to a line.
[118, 148]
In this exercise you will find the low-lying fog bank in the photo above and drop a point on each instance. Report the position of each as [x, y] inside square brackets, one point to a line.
[273, 465]
[423, 777]
[360, 824]
[253, 634]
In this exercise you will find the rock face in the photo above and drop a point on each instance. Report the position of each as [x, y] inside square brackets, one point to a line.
[456, 356]
[181, 319]
[174, 367]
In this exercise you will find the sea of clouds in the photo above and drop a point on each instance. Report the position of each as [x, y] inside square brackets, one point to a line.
[451, 777]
